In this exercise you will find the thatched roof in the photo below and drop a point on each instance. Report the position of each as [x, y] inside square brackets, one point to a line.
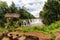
[12, 15]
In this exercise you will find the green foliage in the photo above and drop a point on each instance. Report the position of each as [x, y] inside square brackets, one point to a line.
[12, 8]
[4, 8]
[24, 14]
[51, 29]
[2, 29]
[51, 11]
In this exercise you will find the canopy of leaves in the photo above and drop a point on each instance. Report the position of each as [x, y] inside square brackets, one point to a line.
[24, 14]
[51, 11]
[3, 10]
[12, 8]
[3, 7]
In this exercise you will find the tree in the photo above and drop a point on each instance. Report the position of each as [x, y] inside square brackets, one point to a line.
[3, 7]
[51, 11]
[12, 8]
[24, 14]
[3, 10]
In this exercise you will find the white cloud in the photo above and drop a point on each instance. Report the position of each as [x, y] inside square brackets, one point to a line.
[35, 5]
[10, 1]
[35, 13]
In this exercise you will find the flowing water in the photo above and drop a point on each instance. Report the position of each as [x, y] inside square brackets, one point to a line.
[33, 22]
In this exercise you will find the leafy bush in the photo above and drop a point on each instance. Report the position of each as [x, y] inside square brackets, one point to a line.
[2, 29]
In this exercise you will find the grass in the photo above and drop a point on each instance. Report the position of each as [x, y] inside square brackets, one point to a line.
[51, 29]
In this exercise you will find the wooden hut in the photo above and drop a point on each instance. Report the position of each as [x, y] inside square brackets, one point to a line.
[10, 16]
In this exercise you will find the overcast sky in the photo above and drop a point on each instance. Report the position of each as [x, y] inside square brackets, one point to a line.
[33, 6]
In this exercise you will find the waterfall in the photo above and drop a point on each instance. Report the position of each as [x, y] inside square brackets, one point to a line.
[32, 22]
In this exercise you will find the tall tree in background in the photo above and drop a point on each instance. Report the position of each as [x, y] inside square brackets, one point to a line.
[51, 11]
[24, 14]
[12, 8]
[3, 10]
[3, 7]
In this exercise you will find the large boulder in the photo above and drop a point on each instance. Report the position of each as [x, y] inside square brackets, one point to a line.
[39, 35]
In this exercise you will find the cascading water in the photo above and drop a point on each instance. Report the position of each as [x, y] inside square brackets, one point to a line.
[32, 22]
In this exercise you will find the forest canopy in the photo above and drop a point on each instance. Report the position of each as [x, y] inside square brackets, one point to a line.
[51, 11]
